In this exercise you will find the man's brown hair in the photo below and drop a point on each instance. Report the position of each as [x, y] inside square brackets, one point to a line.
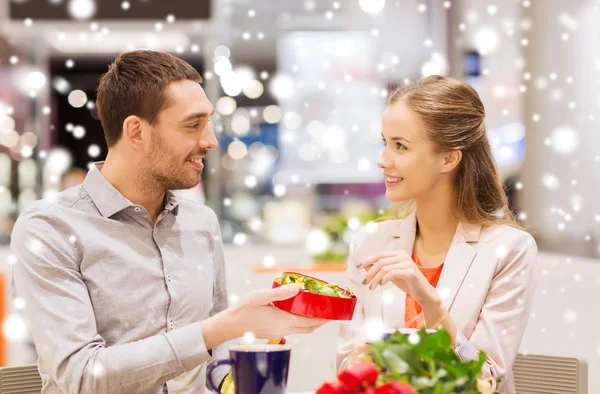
[135, 84]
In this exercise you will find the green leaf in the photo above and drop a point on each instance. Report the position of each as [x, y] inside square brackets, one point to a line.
[408, 354]
[445, 388]
[376, 349]
[395, 362]
[423, 381]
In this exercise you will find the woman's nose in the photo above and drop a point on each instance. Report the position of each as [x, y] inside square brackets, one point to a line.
[382, 162]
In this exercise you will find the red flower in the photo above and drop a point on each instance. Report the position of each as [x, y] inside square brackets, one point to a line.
[333, 388]
[359, 376]
[361, 379]
[395, 388]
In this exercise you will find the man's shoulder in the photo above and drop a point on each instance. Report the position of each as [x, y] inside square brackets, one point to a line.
[46, 222]
[55, 205]
[195, 210]
[62, 200]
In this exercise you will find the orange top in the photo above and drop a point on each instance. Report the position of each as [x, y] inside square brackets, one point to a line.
[413, 317]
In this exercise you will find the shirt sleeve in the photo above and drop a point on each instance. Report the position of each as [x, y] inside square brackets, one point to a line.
[220, 303]
[465, 349]
[60, 317]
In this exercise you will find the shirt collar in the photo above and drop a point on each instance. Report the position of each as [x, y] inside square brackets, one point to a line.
[171, 202]
[109, 200]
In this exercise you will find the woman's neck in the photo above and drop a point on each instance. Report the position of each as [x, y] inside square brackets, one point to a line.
[436, 223]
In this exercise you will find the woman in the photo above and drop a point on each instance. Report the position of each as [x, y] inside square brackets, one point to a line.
[458, 260]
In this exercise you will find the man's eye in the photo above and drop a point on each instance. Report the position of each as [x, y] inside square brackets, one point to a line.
[193, 126]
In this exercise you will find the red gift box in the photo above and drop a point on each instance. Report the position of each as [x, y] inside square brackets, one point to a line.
[322, 306]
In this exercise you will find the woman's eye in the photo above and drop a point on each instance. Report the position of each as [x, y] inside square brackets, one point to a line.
[384, 142]
[399, 146]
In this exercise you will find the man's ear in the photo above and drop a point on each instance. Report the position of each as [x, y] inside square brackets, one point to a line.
[452, 159]
[132, 131]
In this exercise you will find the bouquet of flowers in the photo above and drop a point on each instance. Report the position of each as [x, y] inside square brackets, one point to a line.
[419, 363]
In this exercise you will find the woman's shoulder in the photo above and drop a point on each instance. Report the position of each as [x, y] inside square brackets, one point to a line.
[504, 232]
[507, 239]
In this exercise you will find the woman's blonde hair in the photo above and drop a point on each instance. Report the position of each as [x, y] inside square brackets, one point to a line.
[454, 119]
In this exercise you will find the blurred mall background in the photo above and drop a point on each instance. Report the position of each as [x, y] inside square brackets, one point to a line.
[300, 87]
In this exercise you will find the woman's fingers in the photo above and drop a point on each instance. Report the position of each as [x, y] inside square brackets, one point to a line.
[394, 276]
[379, 265]
[373, 259]
[390, 273]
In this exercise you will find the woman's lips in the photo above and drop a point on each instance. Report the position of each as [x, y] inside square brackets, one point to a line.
[392, 181]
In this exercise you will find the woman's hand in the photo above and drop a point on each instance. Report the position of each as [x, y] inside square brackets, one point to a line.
[359, 354]
[398, 267]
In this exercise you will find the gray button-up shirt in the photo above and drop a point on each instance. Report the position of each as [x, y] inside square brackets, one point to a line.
[114, 301]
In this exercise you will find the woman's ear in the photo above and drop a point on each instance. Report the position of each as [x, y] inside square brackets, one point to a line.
[452, 159]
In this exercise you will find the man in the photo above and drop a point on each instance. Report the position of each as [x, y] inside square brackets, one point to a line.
[124, 284]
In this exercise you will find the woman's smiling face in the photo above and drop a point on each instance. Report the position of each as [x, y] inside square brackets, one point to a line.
[410, 163]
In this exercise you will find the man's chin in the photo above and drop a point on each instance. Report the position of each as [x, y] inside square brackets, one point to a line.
[181, 184]
[186, 186]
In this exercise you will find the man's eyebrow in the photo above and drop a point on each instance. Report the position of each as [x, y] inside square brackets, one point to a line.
[198, 115]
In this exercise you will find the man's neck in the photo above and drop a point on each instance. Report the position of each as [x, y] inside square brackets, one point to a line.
[133, 185]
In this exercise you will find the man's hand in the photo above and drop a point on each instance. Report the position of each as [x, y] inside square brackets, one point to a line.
[255, 313]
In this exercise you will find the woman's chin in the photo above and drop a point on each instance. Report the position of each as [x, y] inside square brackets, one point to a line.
[395, 197]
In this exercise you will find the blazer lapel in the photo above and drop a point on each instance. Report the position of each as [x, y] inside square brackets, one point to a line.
[404, 234]
[458, 261]
[392, 298]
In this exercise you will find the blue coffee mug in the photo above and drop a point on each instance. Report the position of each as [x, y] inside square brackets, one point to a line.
[256, 369]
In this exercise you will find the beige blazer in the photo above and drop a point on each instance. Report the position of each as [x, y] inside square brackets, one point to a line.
[487, 285]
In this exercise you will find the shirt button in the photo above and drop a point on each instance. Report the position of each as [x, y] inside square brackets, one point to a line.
[169, 277]
[137, 209]
[172, 325]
